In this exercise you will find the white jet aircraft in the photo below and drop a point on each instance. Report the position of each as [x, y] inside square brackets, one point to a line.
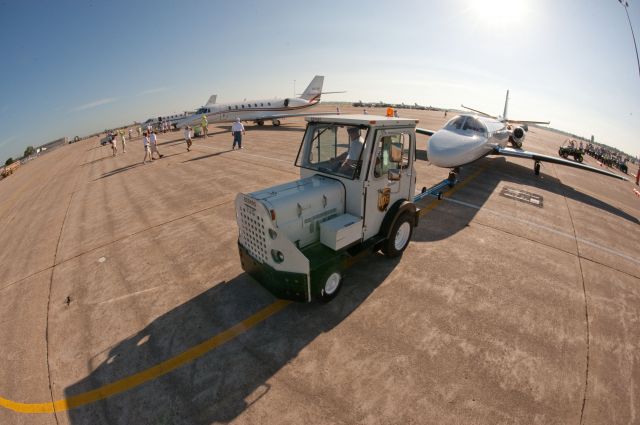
[261, 110]
[468, 137]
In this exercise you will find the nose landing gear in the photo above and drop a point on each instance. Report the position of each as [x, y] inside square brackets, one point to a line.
[453, 176]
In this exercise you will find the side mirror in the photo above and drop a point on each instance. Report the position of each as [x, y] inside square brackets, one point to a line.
[394, 175]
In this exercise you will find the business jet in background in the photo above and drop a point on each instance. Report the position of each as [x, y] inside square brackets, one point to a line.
[261, 110]
[468, 137]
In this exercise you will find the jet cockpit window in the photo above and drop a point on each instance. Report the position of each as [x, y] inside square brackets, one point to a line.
[456, 123]
[474, 125]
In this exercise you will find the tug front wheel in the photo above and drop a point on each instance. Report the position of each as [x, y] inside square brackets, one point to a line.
[331, 284]
[399, 236]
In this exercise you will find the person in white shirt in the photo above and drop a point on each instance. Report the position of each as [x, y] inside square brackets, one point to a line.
[147, 149]
[154, 145]
[114, 144]
[187, 137]
[355, 144]
[237, 129]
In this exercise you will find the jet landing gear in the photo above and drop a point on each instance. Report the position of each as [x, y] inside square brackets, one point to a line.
[276, 123]
[260, 122]
[536, 168]
[453, 176]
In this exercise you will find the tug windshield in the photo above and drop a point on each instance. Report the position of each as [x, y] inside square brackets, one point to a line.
[333, 149]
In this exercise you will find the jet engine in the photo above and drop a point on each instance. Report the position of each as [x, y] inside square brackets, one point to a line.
[517, 137]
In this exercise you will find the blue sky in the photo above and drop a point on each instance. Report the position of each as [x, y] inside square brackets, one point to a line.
[72, 68]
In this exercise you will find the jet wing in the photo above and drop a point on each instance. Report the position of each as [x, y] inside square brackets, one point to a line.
[287, 115]
[425, 131]
[527, 122]
[480, 112]
[519, 153]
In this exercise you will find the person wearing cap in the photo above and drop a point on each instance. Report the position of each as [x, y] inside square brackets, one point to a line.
[204, 124]
[237, 129]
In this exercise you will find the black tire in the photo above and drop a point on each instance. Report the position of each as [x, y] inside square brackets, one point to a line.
[399, 237]
[579, 158]
[560, 152]
[330, 287]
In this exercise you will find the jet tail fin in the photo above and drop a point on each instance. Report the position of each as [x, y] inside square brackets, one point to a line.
[212, 100]
[506, 106]
[314, 89]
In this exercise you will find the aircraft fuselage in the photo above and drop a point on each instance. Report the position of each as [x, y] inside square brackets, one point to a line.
[466, 138]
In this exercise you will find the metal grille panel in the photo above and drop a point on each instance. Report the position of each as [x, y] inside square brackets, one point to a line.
[253, 233]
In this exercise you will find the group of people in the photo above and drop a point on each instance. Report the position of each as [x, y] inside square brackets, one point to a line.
[113, 140]
[150, 138]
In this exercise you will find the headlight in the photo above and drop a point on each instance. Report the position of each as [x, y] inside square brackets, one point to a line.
[277, 256]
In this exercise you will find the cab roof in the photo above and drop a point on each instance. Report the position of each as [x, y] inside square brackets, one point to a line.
[361, 119]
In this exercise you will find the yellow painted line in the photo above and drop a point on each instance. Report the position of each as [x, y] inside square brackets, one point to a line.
[454, 189]
[153, 372]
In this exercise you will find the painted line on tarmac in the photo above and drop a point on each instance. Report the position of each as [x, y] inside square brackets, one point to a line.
[548, 229]
[153, 372]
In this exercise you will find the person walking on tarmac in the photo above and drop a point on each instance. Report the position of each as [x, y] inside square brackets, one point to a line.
[154, 145]
[237, 129]
[204, 124]
[147, 148]
[187, 137]
[124, 142]
[114, 143]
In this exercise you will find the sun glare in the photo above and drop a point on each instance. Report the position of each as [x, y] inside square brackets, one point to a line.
[499, 12]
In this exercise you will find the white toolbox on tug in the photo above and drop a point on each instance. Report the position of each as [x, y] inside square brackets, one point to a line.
[341, 231]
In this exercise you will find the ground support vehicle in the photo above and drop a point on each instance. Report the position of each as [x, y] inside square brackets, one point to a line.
[10, 169]
[567, 150]
[355, 195]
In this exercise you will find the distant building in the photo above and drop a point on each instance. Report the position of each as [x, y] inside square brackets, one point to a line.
[52, 145]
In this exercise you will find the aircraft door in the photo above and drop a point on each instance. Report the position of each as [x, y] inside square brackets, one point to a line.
[390, 175]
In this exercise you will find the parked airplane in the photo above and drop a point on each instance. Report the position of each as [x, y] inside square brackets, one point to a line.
[261, 110]
[173, 119]
[468, 137]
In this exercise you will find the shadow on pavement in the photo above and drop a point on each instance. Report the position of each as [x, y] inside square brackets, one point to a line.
[207, 156]
[499, 170]
[225, 381]
[120, 170]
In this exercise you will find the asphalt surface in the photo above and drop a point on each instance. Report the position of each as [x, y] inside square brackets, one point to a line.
[122, 299]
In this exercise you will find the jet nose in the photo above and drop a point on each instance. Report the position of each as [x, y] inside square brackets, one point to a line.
[448, 149]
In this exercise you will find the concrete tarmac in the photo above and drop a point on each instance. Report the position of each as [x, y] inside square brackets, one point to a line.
[122, 299]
